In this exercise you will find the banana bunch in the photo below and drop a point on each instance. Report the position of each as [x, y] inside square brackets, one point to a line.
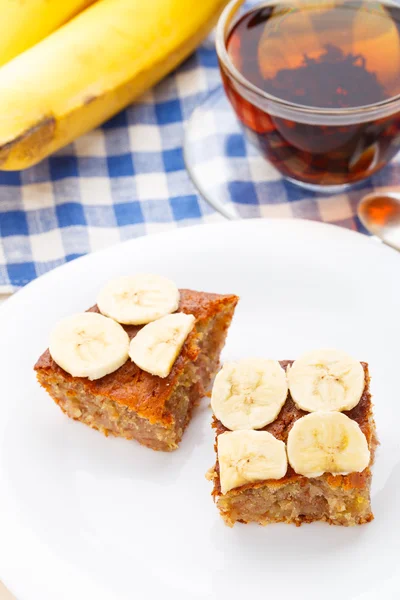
[23, 24]
[58, 80]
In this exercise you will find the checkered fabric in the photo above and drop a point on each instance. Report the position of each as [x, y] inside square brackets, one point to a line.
[128, 179]
[123, 180]
[239, 182]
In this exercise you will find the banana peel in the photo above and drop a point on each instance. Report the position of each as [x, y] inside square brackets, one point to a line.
[90, 69]
[24, 23]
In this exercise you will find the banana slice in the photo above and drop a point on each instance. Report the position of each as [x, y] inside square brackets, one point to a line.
[249, 456]
[326, 380]
[89, 345]
[249, 394]
[327, 442]
[138, 299]
[157, 345]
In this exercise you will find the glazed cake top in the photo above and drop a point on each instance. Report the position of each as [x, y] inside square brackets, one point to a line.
[289, 414]
[129, 386]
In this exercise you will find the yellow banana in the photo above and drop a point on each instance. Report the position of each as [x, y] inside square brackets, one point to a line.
[24, 23]
[91, 68]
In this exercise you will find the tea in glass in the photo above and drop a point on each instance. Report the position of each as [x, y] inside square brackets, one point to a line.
[316, 86]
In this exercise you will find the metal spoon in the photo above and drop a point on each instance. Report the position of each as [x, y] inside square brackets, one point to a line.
[380, 214]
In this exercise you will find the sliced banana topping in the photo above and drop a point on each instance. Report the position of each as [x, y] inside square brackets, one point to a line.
[327, 442]
[326, 380]
[249, 456]
[157, 345]
[89, 345]
[249, 394]
[138, 299]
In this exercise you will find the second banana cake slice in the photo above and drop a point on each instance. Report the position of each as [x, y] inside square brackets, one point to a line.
[324, 473]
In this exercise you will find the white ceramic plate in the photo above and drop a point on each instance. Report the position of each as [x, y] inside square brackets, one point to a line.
[84, 517]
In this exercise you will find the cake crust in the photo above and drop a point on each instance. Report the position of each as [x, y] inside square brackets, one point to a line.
[232, 505]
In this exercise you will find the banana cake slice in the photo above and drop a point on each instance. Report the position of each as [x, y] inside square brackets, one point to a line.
[112, 393]
[279, 462]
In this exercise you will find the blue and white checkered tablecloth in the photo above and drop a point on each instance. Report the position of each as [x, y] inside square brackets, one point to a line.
[128, 179]
[123, 180]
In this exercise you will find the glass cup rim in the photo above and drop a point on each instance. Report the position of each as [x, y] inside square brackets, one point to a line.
[388, 106]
